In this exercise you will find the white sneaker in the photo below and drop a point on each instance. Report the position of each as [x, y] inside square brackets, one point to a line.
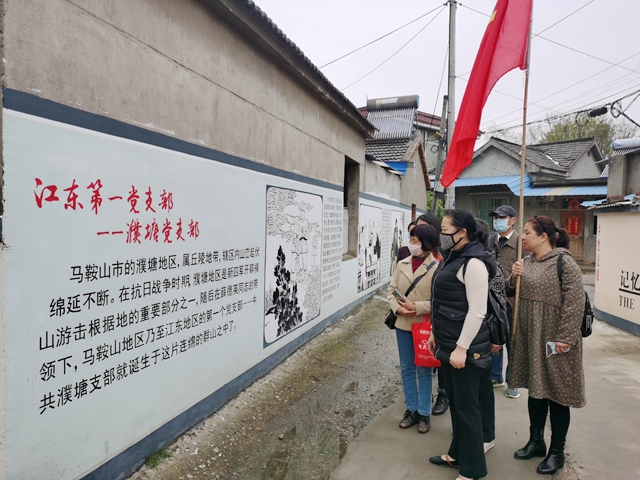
[512, 393]
[489, 445]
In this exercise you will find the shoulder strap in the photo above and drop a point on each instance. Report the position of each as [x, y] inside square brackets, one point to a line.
[415, 282]
[559, 265]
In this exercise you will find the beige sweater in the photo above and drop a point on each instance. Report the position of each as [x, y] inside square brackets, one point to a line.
[420, 295]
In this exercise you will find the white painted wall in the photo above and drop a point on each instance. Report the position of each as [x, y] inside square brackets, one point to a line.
[617, 281]
[44, 243]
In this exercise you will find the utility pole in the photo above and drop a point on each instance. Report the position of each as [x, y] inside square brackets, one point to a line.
[451, 109]
[437, 194]
[448, 118]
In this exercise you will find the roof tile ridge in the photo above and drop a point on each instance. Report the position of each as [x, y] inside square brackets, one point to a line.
[575, 140]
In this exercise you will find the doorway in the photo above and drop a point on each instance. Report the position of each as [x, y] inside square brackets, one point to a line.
[573, 223]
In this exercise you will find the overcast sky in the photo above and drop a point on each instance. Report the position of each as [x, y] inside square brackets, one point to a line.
[606, 29]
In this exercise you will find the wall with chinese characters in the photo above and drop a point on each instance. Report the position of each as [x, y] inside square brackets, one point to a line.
[617, 283]
[172, 228]
[140, 280]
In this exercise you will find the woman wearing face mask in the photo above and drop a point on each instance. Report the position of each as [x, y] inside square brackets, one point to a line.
[461, 339]
[547, 354]
[416, 381]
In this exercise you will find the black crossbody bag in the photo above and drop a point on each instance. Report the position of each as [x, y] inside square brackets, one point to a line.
[587, 317]
[390, 318]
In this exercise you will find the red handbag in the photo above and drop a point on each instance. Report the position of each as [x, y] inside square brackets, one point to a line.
[421, 334]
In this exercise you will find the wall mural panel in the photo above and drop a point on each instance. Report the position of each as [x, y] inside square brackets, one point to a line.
[369, 246]
[397, 225]
[292, 271]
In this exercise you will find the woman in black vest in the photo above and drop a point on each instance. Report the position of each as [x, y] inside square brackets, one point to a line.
[460, 337]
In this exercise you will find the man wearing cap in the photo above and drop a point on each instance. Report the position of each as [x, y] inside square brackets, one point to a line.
[505, 243]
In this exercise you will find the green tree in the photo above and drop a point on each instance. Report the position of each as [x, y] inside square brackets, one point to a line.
[603, 129]
[441, 209]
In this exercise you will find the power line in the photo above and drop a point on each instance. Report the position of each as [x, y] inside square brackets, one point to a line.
[573, 100]
[397, 51]
[570, 86]
[576, 112]
[558, 117]
[597, 91]
[435, 105]
[564, 18]
[537, 35]
[510, 96]
[379, 38]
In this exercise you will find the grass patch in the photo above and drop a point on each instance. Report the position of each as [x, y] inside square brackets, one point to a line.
[157, 458]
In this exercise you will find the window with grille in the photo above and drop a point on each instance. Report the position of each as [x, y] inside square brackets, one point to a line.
[487, 205]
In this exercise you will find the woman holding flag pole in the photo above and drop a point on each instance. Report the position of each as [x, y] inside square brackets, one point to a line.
[504, 47]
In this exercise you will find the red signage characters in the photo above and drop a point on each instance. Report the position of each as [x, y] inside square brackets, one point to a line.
[39, 197]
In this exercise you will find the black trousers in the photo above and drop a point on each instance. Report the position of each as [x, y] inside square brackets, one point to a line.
[463, 390]
[440, 379]
[487, 407]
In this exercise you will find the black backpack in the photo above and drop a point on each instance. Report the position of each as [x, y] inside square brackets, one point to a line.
[497, 316]
[587, 317]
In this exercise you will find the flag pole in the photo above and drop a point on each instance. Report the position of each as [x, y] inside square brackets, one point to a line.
[523, 155]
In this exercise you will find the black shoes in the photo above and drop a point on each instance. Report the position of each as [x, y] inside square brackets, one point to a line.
[424, 423]
[535, 447]
[410, 419]
[554, 461]
[444, 463]
[442, 403]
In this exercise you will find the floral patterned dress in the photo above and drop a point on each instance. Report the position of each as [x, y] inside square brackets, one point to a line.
[550, 313]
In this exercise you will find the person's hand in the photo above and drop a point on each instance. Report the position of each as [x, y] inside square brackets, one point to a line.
[408, 304]
[562, 347]
[431, 344]
[458, 357]
[517, 268]
[496, 348]
[405, 312]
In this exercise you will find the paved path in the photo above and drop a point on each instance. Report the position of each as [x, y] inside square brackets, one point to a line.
[603, 441]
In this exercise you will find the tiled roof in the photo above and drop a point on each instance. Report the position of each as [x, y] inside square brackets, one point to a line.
[557, 156]
[534, 156]
[295, 50]
[388, 150]
[428, 119]
[565, 152]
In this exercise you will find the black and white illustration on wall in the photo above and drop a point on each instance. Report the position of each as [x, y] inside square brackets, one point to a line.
[397, 230]
[293, 260]
[369, 246]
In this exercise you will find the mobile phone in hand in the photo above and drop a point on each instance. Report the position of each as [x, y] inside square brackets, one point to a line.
[397, 294]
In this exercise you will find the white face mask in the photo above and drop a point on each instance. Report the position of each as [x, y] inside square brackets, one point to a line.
[501, 225]
[416, 250]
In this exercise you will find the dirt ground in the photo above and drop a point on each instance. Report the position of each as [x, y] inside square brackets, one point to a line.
[297, 421]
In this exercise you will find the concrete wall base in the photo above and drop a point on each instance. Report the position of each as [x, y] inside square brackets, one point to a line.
[617, 322]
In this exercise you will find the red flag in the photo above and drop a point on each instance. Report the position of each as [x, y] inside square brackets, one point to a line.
[503, 48]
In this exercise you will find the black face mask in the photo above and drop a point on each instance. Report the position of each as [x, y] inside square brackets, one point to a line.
[446, 241]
